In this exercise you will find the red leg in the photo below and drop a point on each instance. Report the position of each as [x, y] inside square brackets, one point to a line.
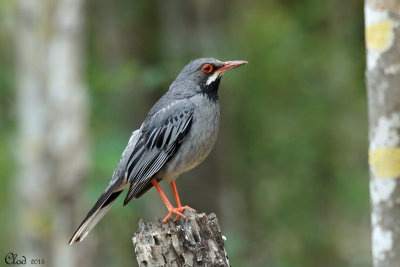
[171, 209]
[178, 202]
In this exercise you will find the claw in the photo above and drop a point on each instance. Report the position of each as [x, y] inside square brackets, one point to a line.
[177, 211]
[181, 210]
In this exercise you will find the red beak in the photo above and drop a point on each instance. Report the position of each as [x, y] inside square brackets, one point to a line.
[230, 65]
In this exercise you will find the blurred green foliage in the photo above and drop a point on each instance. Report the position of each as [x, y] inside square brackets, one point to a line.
[7, 126]
[288, 177]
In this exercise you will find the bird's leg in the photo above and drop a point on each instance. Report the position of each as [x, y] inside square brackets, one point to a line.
[178, 202]
[171, 209]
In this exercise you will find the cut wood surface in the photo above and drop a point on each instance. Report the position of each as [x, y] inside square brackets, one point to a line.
[194, 241]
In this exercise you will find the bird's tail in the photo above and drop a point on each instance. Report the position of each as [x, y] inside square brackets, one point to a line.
[99, 209]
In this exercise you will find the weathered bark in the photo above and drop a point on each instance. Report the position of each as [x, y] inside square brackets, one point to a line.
[52, 121]
[382, 20]
[194, 241]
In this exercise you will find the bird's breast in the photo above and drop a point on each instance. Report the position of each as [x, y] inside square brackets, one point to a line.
[200, 139]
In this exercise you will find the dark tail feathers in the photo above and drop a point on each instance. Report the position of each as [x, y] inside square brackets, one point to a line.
[99, 209]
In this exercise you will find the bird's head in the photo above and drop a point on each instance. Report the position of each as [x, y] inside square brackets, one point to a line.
[203, 75]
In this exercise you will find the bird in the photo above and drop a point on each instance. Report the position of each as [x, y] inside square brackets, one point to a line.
[178, 133]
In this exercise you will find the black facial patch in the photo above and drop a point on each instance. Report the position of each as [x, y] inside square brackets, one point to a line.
[211, 90]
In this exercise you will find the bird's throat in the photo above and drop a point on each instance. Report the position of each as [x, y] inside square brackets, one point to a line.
[211, 89]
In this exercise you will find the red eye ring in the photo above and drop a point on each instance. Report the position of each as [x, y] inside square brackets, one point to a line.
[207, 68]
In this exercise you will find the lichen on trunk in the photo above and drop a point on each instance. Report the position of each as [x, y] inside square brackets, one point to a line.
[382, 20]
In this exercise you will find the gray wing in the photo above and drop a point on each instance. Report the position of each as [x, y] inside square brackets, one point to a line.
[119, 175]
[161, 135]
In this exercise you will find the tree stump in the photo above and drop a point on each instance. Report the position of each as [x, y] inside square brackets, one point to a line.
[194, 241]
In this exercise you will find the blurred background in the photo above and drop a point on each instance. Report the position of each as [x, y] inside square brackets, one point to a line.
[288, 176]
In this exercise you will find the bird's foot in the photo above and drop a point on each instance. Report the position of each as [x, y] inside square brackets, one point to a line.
[178, 211]
[183, 208]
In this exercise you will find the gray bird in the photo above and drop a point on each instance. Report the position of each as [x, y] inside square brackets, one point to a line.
[178, 133]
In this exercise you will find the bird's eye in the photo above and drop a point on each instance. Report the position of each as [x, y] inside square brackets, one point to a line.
[207, 68]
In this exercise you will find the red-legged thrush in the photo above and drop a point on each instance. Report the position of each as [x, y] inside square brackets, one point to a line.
[178, 133]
